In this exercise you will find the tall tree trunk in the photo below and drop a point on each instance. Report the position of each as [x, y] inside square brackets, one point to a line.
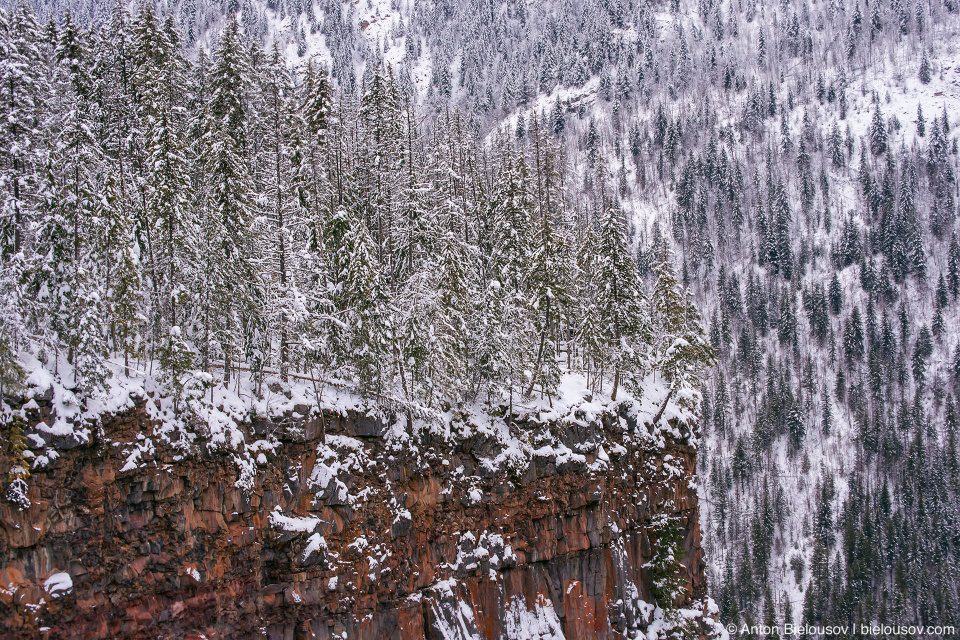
[663, 407]
[17, 223]
[284, 356]
[540, 354]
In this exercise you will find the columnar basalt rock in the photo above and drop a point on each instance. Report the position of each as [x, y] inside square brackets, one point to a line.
[355, 536]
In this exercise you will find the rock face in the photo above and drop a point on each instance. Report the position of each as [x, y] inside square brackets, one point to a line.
[356, 537]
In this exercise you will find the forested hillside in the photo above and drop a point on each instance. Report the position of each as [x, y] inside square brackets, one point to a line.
[195, 221]
[798, 158]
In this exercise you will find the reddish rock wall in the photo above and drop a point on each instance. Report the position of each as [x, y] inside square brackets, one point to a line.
[173, 549]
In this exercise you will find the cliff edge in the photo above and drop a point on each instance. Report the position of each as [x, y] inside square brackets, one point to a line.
[351, 524]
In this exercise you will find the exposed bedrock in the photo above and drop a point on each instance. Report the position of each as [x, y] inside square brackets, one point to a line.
[362, 536]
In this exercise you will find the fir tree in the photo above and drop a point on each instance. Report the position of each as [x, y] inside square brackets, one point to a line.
[616, 326]
[922, 350]
[558, 118]
[926, 71]
[279, 131]
[157, 73]
[681, 350]
[953, 266]
[853, 336]
[878, 134]
[232, 275]
[836, 300]
[317, 113]
[549, 275]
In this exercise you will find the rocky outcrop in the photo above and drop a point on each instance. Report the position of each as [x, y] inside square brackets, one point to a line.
[360, 536]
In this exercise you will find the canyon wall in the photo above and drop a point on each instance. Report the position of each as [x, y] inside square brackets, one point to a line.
[342, 532]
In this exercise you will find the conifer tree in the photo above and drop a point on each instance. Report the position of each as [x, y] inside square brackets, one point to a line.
[317, 113]
[24, 95]
[363, 301]
[681, 350]
[379, 159]
[232, 274]
[557, 116]
[835, 296]
[622, 316]
[511, 209]
[64, 273]
[123, 295]
[157, 73]
[280, 127]
[853, 336]
[588, 328]
[878, 134]
[922, 350]
[548, 276]
[953, 266]
[925, 69]
[22, 157]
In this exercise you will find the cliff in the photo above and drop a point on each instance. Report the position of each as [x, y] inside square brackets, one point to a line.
[351, 527]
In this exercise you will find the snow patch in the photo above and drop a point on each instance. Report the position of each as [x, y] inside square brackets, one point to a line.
[58, 584]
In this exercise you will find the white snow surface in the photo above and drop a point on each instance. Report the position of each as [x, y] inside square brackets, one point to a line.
[302, 524]
[541, 623]
[315, 543]
[58, 584]
[216, 416]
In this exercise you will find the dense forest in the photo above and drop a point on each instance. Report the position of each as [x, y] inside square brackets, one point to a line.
[795, 162]
[233, 213]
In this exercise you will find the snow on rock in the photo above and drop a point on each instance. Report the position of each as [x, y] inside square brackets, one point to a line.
[58, 584]
[582, 435]
[358, 546]
[299, 524]
[316, 547]
[454, 618]
[402, 523]
[217, 419]
[145, 447]
[541, 623]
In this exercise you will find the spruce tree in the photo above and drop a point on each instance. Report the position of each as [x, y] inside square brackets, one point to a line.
[232, 274]
[953, 266]
[358, 340]
[853, 336]
[680, 348]
[558, 117]
[922, 350]
[158, 73]
[835, 296]
[878, 134]
[624, 320]
[379, 156]
[926, 71]
[317, 113]
[25, 92]
[280, 127]
[511, 210]
[549, 275]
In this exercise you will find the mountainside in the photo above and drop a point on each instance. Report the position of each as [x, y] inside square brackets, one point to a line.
[219, 272]
[802, 158]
